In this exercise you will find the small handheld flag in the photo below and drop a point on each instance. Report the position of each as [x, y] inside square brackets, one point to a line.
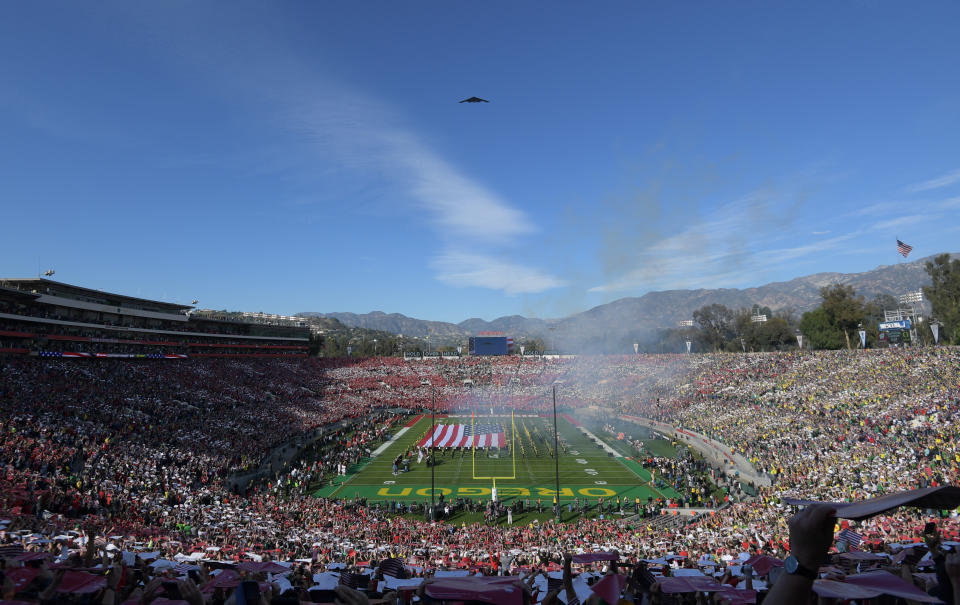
[852, 538]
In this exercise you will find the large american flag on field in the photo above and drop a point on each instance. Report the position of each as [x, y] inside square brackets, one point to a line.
[480, 435]
[903, 248]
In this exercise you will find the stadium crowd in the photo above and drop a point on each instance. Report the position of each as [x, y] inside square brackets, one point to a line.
[108, 457]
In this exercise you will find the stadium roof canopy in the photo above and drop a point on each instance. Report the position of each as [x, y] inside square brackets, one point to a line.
[40, 287]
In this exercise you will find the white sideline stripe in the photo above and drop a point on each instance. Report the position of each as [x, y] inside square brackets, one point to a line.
[383, 447]
[606, 447]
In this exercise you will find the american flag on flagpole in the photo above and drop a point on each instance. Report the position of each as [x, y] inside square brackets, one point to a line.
[852, 538]
[903, 248]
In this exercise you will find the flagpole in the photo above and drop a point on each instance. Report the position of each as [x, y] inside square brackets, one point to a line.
[513, 442]
[556, 456]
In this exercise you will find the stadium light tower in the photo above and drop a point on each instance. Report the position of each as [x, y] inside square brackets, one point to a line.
[915, 300]
[556, 452]
[433, 431]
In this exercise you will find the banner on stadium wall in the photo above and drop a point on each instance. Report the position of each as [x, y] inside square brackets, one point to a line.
[902, 324]
[16, 334]
[83, 355]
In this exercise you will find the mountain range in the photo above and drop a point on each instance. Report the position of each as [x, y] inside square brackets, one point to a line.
[632, 318]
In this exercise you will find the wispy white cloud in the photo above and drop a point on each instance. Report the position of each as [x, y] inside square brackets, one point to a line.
[785, 254]
[874, 209]
[459, 205]
[459, 269]
[941, 181]
[367, 138]
[902, 221]
[347, 141]
[731, 247]
[364, 136]
[820, 232]
[898, 208]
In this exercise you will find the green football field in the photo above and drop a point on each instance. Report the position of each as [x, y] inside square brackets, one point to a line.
[527, 470]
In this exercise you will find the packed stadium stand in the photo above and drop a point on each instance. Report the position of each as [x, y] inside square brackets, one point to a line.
[186, 478]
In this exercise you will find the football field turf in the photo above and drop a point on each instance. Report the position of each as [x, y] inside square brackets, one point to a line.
[526, 471]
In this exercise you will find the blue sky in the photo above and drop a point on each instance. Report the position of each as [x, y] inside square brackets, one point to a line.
[312, 156]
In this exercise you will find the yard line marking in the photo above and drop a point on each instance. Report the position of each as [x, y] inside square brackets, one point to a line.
[603, 444]
[383, 447]
[459, 466]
